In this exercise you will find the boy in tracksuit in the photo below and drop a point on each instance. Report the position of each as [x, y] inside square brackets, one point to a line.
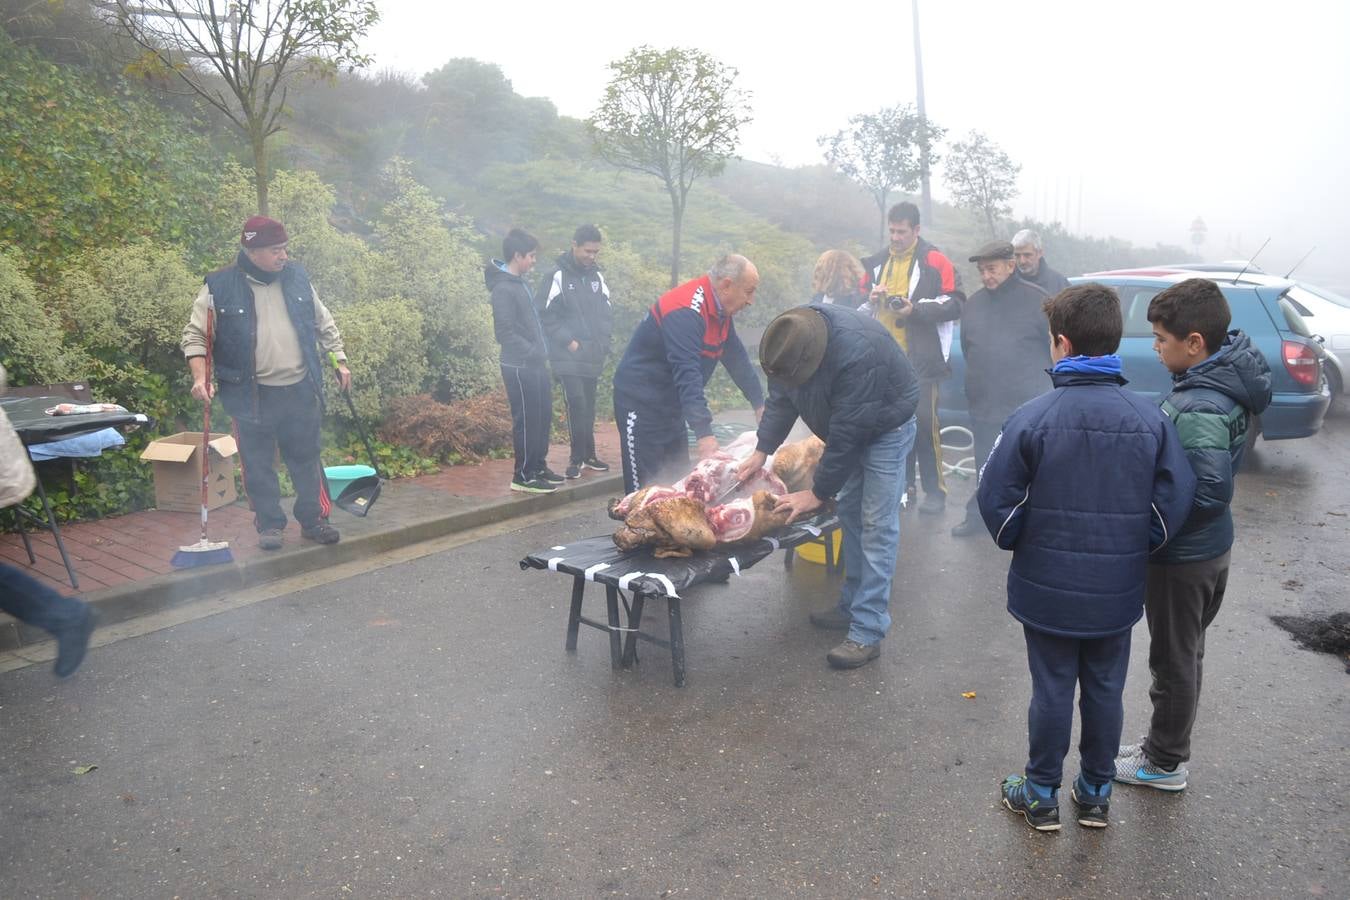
[1219, 380]
[524, 362]
[1083, 483]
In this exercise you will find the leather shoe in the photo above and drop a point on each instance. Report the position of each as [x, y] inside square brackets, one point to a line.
[967, 527]
[932, 504]
[851, 654]
[832, 619]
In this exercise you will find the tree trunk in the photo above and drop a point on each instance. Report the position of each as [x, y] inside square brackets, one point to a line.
[989, 216]
[677, 214]
[260, 178]
[881, 205]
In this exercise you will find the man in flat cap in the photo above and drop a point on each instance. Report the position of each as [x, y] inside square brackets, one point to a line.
[266, 328]
[849, 381]
[1005, 339]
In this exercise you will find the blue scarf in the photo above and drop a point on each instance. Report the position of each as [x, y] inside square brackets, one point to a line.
[1094, 365]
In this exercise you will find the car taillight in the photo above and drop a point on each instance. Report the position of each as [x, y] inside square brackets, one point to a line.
[1302, 363]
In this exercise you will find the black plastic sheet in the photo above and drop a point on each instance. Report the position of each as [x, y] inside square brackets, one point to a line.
[597, 559]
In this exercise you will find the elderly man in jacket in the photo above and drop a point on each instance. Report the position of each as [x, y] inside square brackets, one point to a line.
[658, 385]
[1031, 264]
[267, 326]
[1006, 346]
[578, 321]
[844, 375]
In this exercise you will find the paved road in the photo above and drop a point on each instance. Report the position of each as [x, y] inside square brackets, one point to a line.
[418, 730]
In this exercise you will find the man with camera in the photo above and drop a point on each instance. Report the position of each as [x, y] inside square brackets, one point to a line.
[913, 291]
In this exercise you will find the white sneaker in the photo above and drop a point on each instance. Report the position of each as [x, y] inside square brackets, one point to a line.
[1135, 768]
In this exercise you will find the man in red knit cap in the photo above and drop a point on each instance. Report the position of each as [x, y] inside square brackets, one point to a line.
[269, 329]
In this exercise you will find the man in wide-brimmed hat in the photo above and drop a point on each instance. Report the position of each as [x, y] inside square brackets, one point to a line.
[852, 385]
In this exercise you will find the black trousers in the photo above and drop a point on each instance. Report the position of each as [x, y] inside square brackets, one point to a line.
[1059, 665]
[927, 453]
[531, 396]
[651, 450]
[579, 396]
[1182, 600]
[985, 432]
[288, 420]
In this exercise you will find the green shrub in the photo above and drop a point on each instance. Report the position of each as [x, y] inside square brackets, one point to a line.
[32, 346]
[385, 363]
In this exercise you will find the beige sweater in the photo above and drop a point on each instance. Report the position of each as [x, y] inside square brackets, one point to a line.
[277, 357]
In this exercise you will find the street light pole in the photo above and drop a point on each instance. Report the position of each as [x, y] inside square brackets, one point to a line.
[927, 195]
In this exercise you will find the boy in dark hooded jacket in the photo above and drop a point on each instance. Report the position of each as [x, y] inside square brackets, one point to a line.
[1082, 484]
[1214, 394]
[524, 362]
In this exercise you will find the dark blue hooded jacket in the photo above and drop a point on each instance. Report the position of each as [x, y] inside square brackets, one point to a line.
[1211, 404]
[1082, 484]
[863, 388]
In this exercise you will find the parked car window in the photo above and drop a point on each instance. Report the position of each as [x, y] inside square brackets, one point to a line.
[1292, 317]
[1134, 306]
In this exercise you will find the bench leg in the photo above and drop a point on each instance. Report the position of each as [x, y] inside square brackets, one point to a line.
[828, 541]
[574, 616]
[788, 557]
[56, 533]
[676, 639]
[615, 645]
[634, 622]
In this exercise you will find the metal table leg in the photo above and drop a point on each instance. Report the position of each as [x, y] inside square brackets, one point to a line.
[615, 642]
[634, 623]
[56, 533]
[676, 639]
[574, 617]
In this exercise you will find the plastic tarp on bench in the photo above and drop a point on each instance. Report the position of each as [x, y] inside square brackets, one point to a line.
[597, 559]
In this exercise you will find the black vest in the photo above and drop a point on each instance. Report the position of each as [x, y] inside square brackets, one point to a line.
[236, 333]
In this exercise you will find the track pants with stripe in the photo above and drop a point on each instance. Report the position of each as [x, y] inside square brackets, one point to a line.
[531, 396]
[288, 420]
[927, 452]
[654, 448]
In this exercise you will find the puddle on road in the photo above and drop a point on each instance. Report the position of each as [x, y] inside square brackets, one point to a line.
[1323, 634]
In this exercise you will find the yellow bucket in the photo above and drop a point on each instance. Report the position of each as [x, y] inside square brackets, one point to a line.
[814, 552]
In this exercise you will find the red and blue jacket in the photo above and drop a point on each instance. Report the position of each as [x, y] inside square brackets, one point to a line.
[673, 353]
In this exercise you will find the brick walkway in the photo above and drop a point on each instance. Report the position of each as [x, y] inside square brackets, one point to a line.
[124, 549]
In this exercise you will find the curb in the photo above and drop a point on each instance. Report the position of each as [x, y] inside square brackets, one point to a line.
[117, 604]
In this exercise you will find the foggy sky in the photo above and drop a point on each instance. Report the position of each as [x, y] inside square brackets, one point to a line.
[1162, 111]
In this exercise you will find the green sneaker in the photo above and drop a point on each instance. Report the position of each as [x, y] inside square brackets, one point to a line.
[1020, 796]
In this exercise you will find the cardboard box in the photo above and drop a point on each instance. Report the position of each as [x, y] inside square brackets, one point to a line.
[178, 471]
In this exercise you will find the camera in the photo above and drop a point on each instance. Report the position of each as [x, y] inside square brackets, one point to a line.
[896, 302]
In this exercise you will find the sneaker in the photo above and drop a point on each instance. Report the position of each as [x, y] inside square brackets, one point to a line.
[72, 640]
[321, 533]
[967, 527]
[1092, 805]
[595, 464]
[1135, 768]
[832, 619]
[270, 539]
[933, 504]
[573, 471]
[547, 474]
[1040, 810]
[533, 486]
[851, 654]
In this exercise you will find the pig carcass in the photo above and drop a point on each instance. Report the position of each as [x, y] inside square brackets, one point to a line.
[795, 463]
[715, 476]
[673, 526]
[748, 519]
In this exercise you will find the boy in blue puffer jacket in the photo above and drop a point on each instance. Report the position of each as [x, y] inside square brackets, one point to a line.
[1219, 381]
[1083, 483]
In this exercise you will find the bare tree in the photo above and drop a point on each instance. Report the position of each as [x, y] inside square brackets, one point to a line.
[882, 151]
[982, 178]
[241, 57]
[675, 114]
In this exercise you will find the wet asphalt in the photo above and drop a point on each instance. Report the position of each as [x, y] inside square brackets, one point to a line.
[419, 731]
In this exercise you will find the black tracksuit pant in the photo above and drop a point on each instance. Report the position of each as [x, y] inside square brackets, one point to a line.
[530, 393]
[1182, 599]
[653, 451]
[288, 418]
[579, 395]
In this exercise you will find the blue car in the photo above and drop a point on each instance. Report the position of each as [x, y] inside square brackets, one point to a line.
[1262, 310]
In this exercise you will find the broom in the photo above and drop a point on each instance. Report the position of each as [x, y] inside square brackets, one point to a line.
[205, 552]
